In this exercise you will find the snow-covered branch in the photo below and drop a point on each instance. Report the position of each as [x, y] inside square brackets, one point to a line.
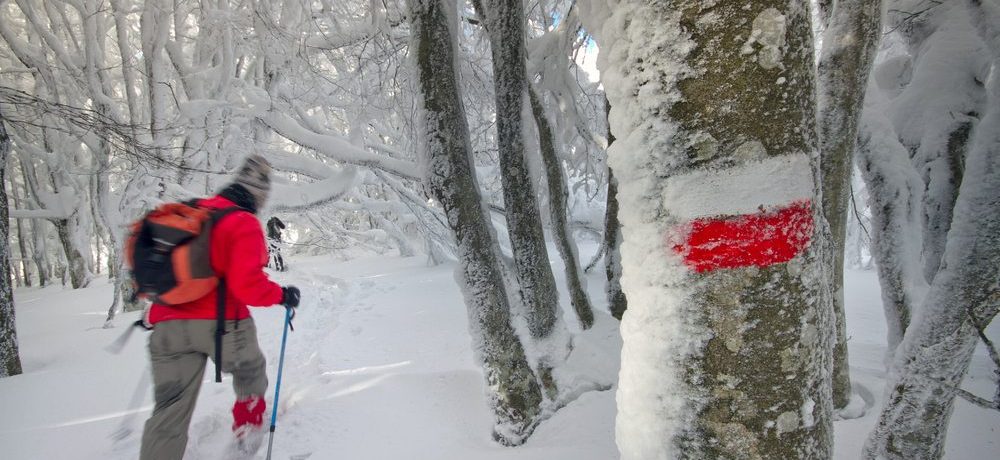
[337, 148]
[286, 197]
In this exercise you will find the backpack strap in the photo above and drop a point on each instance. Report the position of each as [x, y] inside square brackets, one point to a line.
[220, 303]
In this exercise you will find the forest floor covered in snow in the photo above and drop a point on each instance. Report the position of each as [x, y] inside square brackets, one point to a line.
[379, 367]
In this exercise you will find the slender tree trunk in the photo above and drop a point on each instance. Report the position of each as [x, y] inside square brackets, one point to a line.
[853, 32]
[617, 303]
[536, 284]
[894, 190]
[75, 263]
[10, 357]
[23, 239]
[559, 214]
[39, 250]
[943, 182]
[726, 351]
[514, 392]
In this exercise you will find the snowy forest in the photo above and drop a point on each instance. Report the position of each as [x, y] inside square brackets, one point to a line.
[587, 229]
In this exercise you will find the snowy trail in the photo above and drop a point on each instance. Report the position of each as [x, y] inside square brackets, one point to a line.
[379, 367]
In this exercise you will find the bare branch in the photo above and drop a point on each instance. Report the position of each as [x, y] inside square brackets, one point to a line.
[80, 121]
[981, 402]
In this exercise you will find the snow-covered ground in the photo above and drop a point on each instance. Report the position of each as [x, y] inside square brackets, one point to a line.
[379, 367]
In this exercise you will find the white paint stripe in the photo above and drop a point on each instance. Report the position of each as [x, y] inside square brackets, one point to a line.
[773, 181]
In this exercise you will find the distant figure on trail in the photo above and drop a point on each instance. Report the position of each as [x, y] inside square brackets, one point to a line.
[274, 228]
[184, 335]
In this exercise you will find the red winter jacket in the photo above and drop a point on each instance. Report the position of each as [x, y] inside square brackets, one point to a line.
[238, 255]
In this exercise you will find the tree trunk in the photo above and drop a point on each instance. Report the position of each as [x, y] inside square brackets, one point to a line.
[934, 356]
[853, 32]
[536, 284]
[38, 255]
[726, 349]
[617, 302]
[559, 214]
[894, 190]
[513, 391]
[75, 263]
[943, 181]
[38, 230]
[10, 358]
[23, 241]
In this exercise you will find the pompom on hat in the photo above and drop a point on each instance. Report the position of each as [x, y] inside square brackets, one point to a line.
[254, 176]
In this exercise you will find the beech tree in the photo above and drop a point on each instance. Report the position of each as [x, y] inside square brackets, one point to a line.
[726, 349]
[10, 359]
[930, 158]
[514, 392]
[849, 43]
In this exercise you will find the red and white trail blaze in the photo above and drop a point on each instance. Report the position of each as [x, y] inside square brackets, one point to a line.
[756, 214]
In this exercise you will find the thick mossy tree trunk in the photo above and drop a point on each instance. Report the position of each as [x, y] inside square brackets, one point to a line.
[849, 43]
[10, 358]
[559, 214]
[513, 390]
[536, 283]
[727, 342]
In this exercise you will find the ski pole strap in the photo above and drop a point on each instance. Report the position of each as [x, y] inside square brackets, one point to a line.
[220, 327]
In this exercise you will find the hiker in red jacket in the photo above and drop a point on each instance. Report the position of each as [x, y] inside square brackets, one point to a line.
[183, 335]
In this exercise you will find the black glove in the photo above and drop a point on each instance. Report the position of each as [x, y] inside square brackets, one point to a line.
[290, 296]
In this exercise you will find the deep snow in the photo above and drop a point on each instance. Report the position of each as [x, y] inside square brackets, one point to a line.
[379, 367]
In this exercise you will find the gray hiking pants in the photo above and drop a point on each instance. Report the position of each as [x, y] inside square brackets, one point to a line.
[179, 350]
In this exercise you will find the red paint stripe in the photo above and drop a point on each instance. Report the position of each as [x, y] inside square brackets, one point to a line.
[766, 238]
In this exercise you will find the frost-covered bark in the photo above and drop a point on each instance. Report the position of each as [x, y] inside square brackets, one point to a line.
[712, 105]
[23, 240]
[894, 199]
[935, 355]
[10, 359]
[912, 148]
[849, 43]
[154, 31]
[559, 214]
[514, 393]
[960, 247]
[536, 284]
[76, 264]
[617, 302]
[935, 125]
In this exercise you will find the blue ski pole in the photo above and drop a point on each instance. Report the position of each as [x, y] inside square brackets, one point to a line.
[277, 385]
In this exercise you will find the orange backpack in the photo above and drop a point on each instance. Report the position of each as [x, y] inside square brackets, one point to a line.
[168, 252]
